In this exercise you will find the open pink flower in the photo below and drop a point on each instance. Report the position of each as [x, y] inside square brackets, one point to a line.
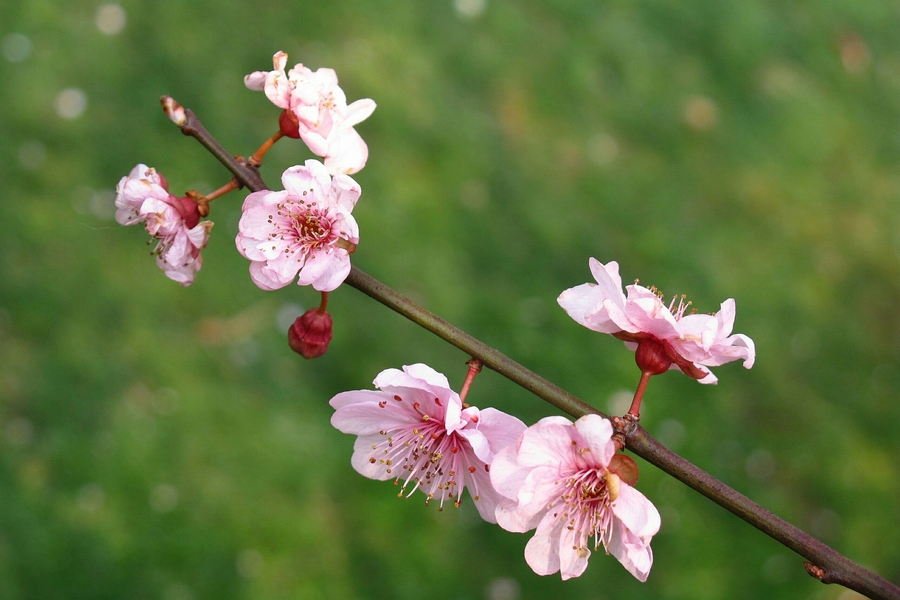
[557, 479]
[317, 112]
[143, 197]
[689, 342]
[416, 431]
[307, 229]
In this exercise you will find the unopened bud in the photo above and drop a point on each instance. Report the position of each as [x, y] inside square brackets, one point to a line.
[289, 124]
[651, 357]
[625, 467]
[173, 110]
[310, 333]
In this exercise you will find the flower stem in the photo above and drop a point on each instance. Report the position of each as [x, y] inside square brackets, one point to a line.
[635, 409]
[474, 369]
[256, 159]
[323, 304]
[228, 187]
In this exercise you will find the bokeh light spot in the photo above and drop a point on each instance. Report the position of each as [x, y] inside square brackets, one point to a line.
[469, 8]
[70, 103]
[16, 47]
[110, 19]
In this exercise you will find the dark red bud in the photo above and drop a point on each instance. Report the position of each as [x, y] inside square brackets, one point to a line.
[625, 467]
[289, 124]
[310, 333]
[651, 357]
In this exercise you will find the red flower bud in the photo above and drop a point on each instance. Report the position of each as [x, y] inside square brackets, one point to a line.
[310, 333]
[289, 124]
[651, 357]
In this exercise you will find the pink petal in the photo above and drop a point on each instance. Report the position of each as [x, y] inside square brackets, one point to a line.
[500, 429]
[634, 553]
[597, 434]
[362, 452]
[264, 278]
[368, 418]
[580, 300]
[347, 152]
[345, 191]
[572, 560]
[542, 550]
[309, 181]
[547, 442]
[355, 397]
[412, 376]
[636, 512]
[358, 111]
[256, 80]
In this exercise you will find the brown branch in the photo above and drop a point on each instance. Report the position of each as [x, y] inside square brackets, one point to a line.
[824, 563]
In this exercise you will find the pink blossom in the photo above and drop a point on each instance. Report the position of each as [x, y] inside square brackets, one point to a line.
[690, 342]
[557, 478]
[305, 230]
[418, 432]
[143, 197]
[318, 108]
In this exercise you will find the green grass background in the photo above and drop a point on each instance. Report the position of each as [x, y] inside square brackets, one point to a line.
[164, 443]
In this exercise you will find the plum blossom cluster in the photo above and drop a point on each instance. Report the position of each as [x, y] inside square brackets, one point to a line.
[143, 197]
[304, 232]
[558, 477]
[316, 111]
[565, 480]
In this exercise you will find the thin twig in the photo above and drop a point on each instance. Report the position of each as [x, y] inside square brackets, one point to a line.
[824, 563]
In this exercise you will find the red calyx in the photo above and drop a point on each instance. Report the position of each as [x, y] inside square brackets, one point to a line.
[651, 356]
[625, 467]
[289, 124]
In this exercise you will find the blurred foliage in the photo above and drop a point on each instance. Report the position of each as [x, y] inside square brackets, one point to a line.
[164, 443]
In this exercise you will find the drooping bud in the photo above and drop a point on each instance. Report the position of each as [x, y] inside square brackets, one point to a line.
[289, 124]
[625, 467]
[310, 333]
[651, 356]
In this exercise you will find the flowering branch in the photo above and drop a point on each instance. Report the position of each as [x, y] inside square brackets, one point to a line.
[824, 563]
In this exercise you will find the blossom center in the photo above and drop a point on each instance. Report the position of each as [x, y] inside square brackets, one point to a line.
[424, 455]
[585, 505]
[305, 227]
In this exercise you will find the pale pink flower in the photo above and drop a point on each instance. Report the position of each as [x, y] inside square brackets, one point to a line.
[318, 108]
[692, 342]
[416, 431]
[305, 230]
[557, 478]
[143, 197]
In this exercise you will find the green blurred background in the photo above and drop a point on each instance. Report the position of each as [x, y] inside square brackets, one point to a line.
[159, 442]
